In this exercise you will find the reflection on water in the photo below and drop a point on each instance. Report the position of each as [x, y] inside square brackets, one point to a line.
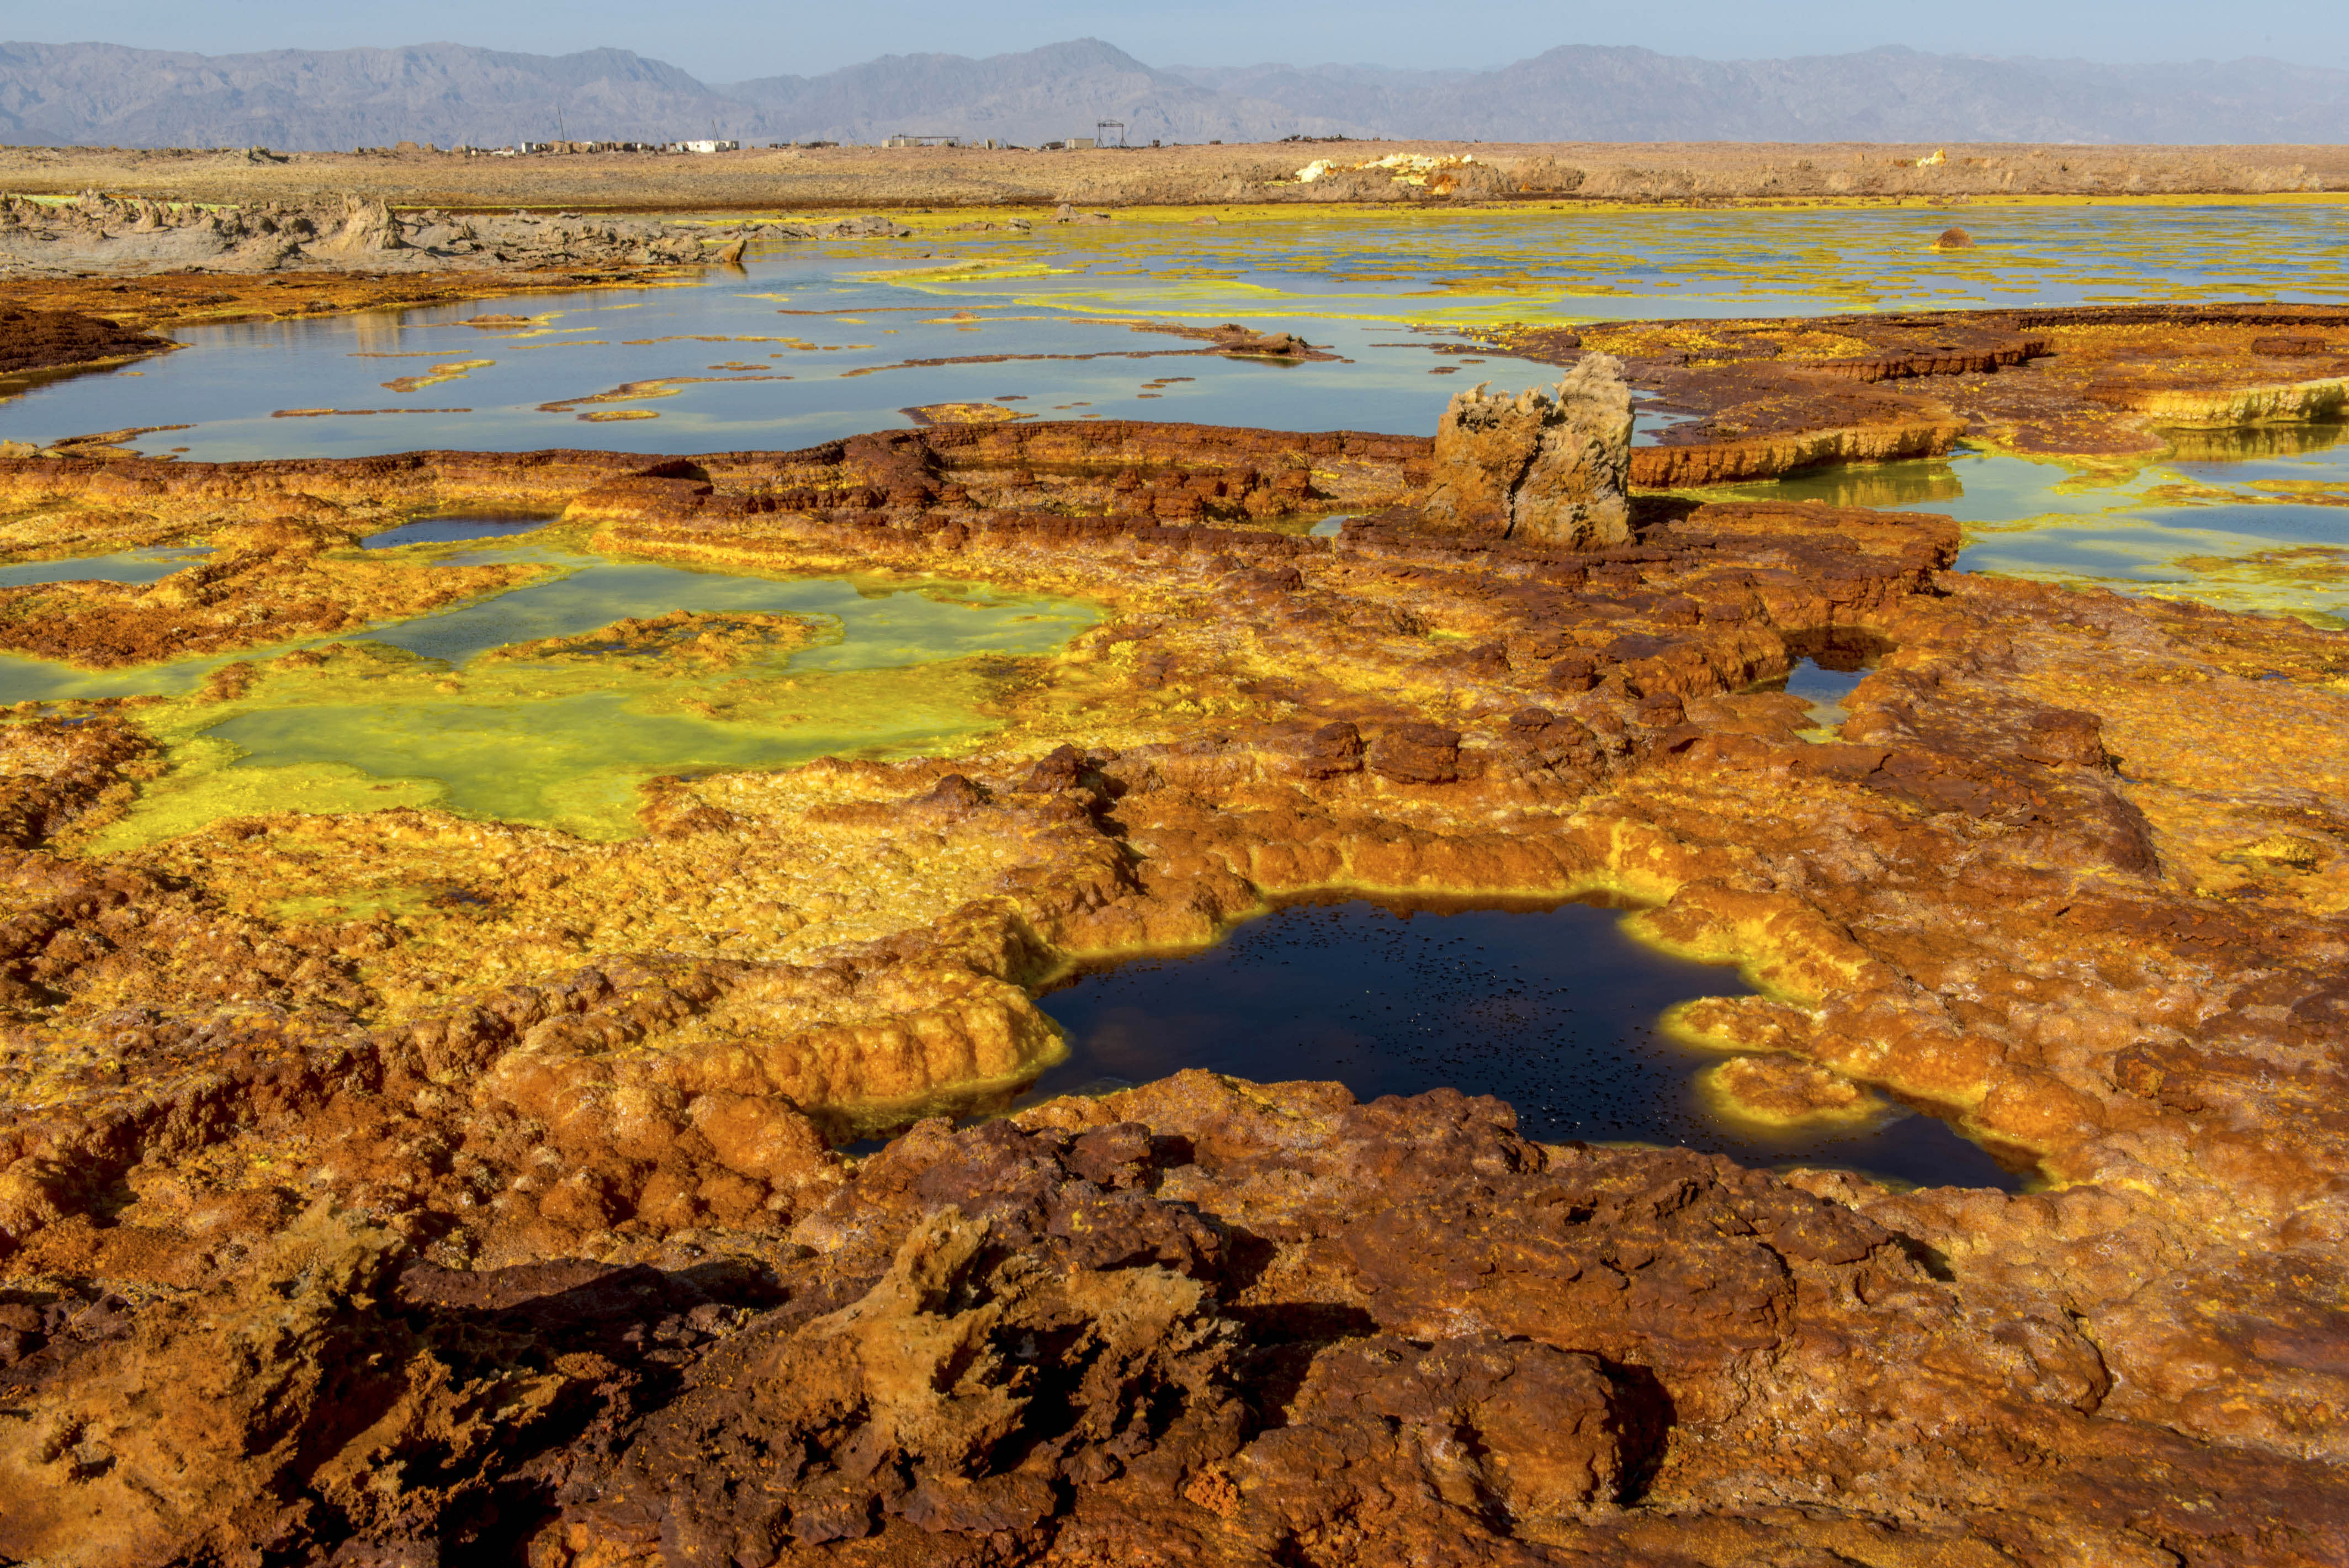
[452, 531]
[1883, 486]
[2269, 535]
[1823, 682]
[2243, 449]
[1553, 1010]
[824, 339]
[124, 566]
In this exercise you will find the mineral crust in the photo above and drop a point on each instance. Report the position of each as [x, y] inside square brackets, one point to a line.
[1772, 397]
[509, 1220]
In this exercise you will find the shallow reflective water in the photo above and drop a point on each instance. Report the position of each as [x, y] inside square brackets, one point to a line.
[814, 341]
[451, 531]
[1553, 1010]
[123, 566]
[2265, 533]
[1823, 685]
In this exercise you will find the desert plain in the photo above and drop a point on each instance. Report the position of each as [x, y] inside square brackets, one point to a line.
[644, 1175]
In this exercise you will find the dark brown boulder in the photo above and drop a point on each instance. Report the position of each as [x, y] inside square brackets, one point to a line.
[1416, 754]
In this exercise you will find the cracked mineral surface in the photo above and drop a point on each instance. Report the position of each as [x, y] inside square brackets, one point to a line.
[429, 1183]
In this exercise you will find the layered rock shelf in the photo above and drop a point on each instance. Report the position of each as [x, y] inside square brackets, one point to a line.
[1769, 397]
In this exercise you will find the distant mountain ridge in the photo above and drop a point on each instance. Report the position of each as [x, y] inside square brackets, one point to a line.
[69, 94]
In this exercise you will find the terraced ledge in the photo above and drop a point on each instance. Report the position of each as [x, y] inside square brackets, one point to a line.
[1774, 396]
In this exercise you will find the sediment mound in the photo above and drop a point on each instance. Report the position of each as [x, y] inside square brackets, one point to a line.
[133, 236]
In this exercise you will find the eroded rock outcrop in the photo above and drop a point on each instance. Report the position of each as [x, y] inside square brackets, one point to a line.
[1543, 468]
[1203, 1320]
[355, 233]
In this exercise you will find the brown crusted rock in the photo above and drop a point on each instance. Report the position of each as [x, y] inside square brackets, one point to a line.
[1063, 768]
[1536, 468]
[2059, 737]
[1416, 754]
[1390, 1439]
[1429, 1342]
[957, 1395]
[244, 1421]
[1554, 742]
[1333, 749]
[41, 339]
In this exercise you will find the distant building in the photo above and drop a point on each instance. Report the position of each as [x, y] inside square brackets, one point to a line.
[708, 146]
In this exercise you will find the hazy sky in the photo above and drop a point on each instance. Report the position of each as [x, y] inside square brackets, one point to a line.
[727, 40]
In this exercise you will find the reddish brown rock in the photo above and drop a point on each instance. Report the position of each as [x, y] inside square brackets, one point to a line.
[1416, 754]
[33, 341]
[1538, 468]
[1234, 1323]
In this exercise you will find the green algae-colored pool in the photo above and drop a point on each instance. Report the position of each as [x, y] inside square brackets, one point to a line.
[415, 714]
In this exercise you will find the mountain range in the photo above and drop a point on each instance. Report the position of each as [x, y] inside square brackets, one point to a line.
[106, 94]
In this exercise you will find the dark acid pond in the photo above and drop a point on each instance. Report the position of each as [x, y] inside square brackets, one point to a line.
[1553, 1009]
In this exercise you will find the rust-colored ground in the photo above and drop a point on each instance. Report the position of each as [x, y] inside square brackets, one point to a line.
[504, 1222]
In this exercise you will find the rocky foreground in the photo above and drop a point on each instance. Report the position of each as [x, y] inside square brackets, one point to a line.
[508, 1219]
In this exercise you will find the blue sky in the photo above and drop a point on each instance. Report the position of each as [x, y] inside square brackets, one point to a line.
[726, 40]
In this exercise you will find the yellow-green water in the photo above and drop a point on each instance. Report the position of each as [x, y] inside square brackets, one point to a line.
[2221, 521]
[414, 715]
[816, 341]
